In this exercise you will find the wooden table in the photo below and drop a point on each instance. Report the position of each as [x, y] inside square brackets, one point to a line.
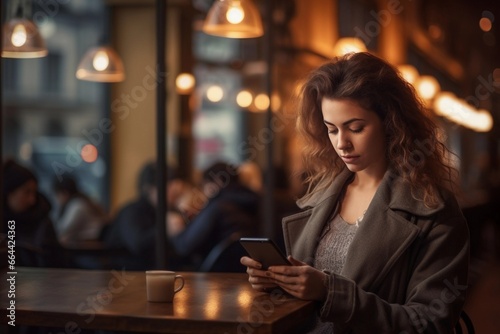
[113, 300]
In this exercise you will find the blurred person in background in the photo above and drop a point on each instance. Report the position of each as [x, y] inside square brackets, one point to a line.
[35, 237]
[133, 230]
[79, 218]
[230, 208]
[250, 175]
[184, 209]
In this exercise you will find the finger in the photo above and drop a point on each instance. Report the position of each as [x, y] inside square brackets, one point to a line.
[281, 279]
[256, 272]
[285, 270]
[249, 262]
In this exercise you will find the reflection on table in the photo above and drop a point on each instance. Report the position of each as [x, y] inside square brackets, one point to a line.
[116, 300]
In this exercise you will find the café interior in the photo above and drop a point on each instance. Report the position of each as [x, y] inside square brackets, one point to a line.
[175, 87]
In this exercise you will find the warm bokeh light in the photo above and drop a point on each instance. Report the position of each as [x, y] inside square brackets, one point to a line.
[244, 299]
[213, 305]
[19, 35]
[409, 72]
[435, 31]
[100, 61]
[275, 102]
[483, 121]
[215, 93]
[244, 99]
[89, 153]
[427, 87]
[347, 45]
[261, 102]
[235, 14]
[459, 111]
[184, 83]
[485, 24]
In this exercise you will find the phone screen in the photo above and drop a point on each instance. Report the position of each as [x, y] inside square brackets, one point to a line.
[265, 251]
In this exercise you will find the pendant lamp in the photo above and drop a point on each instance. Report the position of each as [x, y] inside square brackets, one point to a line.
[101, 64]
[21, 38]
[233, 19]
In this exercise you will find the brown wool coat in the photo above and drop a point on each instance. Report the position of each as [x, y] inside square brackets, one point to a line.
[406, 269]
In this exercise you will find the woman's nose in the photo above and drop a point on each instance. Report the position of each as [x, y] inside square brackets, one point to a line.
[343, 141]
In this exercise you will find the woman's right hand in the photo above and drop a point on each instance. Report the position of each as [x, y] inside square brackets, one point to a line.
[256, 276]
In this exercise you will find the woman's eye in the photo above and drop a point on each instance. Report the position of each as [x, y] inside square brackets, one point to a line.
[333, 131]
[358, 130]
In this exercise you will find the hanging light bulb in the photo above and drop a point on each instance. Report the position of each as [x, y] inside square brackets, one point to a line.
[101, 64]
[19, 35]
[21, 39]
[235, 13]
[233, 19]
[100, 61]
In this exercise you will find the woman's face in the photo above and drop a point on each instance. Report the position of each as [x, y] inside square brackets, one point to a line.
[356, 134]
[23, 198]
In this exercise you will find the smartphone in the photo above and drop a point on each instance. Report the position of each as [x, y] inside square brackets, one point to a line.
[265, 251]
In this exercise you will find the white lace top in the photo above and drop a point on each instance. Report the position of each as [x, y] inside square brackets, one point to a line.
[331, 254]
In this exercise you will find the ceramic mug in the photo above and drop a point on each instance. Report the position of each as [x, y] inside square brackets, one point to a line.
[161, 285]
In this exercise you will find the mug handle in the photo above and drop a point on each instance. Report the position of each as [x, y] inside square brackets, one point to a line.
[179, 288]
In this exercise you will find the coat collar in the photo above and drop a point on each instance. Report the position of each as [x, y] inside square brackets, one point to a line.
[383, 234]
[390, 193]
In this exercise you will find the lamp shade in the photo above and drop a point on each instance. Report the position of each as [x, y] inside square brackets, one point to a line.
[21, 39]
[233, 19]
[101, 64]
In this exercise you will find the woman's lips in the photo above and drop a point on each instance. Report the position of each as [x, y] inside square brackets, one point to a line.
[350, 158]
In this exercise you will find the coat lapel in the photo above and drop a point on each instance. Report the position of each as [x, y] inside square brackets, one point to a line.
[302, 231]
[384, 234]
[382, 237]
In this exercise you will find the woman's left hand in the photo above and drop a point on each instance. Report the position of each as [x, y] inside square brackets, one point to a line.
[300, 280]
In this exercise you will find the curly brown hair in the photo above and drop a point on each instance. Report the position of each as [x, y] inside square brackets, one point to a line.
[414, 151]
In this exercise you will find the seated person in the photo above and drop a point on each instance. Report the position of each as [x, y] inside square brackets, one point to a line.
[134, 228]
[79, 218]
[184, 209]
[36, 240]
[231, 207]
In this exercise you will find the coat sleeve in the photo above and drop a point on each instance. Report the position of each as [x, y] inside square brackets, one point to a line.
[435, 292]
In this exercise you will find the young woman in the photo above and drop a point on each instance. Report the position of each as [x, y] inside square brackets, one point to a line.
[79, 217]
[381, 245]
[27, 212]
